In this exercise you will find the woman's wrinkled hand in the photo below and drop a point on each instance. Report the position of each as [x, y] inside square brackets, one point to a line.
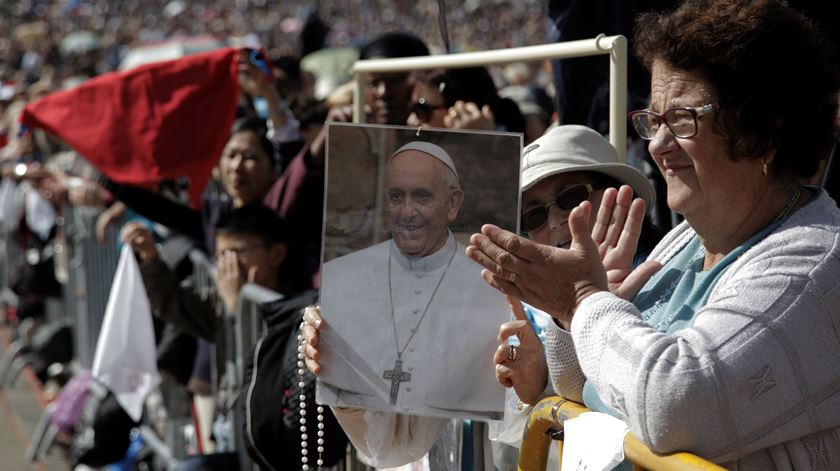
[616, 232]
[552, 279]
[313, 323]
[522, 367]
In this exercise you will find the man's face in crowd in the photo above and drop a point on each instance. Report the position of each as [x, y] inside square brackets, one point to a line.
[389, 96]
[420, 203]
[252, 253]
[247, 172]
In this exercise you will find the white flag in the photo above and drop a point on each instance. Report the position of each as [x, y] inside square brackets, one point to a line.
[126, 356]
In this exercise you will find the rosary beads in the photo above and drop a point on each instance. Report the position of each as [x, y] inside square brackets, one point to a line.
[304, 437]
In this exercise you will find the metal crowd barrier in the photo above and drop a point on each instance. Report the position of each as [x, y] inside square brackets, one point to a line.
[244, 329]
[202, 274]
[545, 425]
[9, 256]
[160, 449]
[90, 272]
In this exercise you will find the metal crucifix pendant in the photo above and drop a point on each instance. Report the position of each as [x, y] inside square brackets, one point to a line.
[397, 376]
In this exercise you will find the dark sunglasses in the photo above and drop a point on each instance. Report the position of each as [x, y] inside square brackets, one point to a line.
[571, 196]
[424, 110]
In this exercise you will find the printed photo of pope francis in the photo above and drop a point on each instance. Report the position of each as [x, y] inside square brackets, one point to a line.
[411, 325]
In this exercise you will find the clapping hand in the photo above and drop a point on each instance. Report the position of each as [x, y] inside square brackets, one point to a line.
[616, 232]
[553, 279]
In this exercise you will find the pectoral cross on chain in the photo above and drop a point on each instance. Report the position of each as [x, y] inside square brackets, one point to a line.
[397, 376]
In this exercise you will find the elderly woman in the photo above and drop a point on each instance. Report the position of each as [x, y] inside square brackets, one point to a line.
[730, 350]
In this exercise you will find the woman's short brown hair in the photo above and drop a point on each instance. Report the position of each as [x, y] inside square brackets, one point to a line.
[772, 70]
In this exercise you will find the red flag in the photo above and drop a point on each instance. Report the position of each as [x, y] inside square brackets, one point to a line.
[158, 121]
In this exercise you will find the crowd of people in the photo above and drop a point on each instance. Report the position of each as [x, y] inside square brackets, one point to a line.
[45, 37]
[715, 338]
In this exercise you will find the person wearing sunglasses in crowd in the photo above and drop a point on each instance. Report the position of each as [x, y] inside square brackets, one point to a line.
[567, 166]
[729, 350]
[462, 99]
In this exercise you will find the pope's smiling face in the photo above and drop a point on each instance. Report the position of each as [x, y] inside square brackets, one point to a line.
[421, 203]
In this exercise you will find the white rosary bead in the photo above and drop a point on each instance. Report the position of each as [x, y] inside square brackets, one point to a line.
[320, 416]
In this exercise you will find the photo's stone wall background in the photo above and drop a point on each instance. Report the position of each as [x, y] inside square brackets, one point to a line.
[355, 210]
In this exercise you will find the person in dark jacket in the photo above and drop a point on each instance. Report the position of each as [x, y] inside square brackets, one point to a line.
[251, 246]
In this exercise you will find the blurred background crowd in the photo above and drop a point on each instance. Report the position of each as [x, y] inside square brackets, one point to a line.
[56, 40]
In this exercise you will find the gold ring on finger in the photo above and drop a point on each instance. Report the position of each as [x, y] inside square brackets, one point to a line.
[512, 277]
[512, 352]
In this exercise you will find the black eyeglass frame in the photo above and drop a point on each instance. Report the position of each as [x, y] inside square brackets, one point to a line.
[695, 113]
[590, 188]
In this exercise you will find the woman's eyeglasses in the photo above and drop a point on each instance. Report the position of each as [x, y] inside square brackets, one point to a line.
[682, 121]
[571, 196]
[424, 110]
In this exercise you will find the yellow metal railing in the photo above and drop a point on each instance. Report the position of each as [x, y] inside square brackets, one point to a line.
[545, 425]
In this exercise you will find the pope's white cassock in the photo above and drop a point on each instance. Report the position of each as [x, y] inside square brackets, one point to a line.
[449, 358]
